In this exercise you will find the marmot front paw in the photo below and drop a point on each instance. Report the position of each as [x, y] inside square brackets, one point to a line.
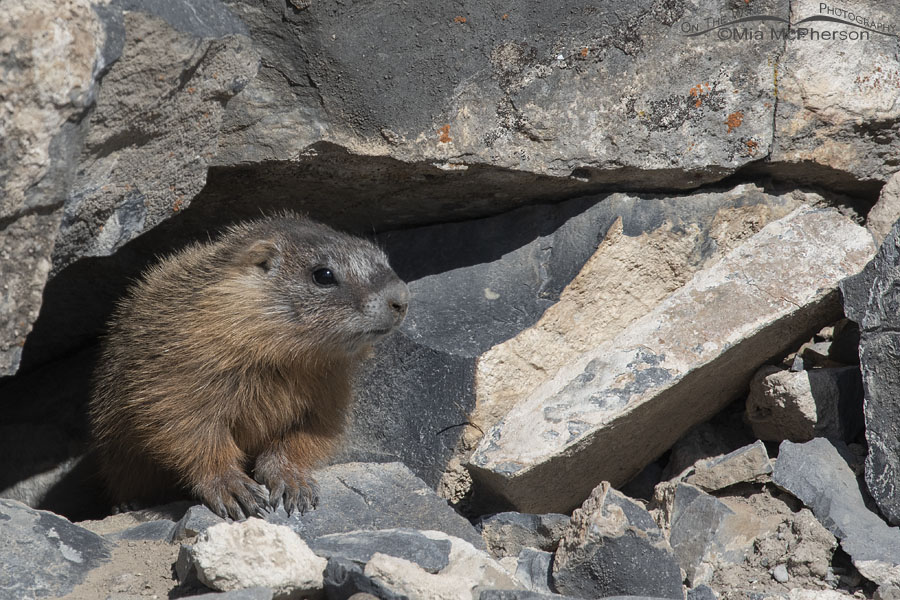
[287, 483]
[232, 495]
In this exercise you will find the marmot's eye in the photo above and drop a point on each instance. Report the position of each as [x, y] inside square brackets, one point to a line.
[324, 276]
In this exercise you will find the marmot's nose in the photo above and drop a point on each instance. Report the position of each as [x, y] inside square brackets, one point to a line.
[397, 296]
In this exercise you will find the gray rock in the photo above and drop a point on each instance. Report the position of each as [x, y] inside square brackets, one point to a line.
[872, 301]
[200, 18]
[613, 546]
[703, 441]
[702, 592]
[806, 100]
[518, 595]
[468, 571]
[251, 593]
[343, 578]
[370, 496]
[507, 533]
[196, 520]
[798, 406]
[409, 406]
[534, 568]
[47, 97]
[139, 167]
[754, 303]
[485, 96]
[886, 211]
[162, 530]
[42, 554]
[359, 546]
[748, 464]
[818, 474]
[697, 530]
[780, 574]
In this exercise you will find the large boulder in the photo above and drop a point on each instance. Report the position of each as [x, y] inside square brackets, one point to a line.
[871, 299]
[624, 402]
[52, 56]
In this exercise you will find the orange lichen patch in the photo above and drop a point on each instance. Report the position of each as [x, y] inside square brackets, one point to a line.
[752, 146]
[444, 133]
[584, 52]
[505, 16]
[459, 20]
[734, 120]
[697, 92]
[191, 90]
[177, 205]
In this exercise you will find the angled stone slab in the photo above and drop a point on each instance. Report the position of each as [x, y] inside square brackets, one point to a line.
[622, 404]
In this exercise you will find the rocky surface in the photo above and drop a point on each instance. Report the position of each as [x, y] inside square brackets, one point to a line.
[870, 300]
[507, 534]
[53, 58]
[44, 555]
[636, 394]
[819, 475]
[550, 180]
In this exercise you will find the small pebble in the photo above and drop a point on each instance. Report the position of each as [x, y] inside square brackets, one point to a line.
[780, 574]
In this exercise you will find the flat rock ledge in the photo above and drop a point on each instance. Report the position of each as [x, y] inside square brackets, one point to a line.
[634, 396]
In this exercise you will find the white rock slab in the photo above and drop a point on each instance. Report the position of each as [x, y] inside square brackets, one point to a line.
[623, 403]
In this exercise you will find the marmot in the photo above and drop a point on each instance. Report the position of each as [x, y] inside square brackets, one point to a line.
[228, 366]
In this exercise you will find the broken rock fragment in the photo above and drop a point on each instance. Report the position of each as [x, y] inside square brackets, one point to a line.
[613, 546]
[798, 406]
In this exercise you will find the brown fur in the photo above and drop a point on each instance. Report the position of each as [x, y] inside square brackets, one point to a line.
[229, 360]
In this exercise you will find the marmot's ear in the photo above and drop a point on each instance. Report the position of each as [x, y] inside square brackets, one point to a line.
[263, 254]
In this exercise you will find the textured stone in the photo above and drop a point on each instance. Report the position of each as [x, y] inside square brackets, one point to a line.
[633, 396]
[139, 167]
[480, 94]
[408, 544]
[871, 299]
[345, 579]
[233, 556]
[371, 496]
[653, 251]
[251, 593]
[817, 474]
[533, 569]
[52, 57]
[748, 464]
[196, 520]
[161, 529]
[798, 406]
[731, 542]
[42, 554]
[886, 211]
[704, 529]
[469, 570]
[506, 534]
[828, 87]
[613, 546]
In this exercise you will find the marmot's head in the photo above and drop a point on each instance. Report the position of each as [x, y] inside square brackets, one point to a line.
[321, 291]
